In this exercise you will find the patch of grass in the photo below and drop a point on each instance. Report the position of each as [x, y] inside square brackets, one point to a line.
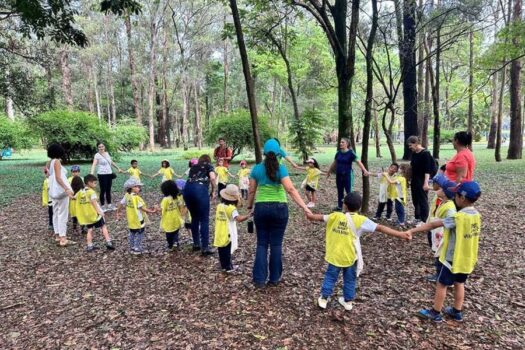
[22, 175]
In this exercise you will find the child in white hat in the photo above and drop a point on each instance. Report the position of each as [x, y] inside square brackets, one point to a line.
[226, 219]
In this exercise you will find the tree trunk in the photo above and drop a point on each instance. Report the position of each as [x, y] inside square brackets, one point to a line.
[198, 121]
[388, 130]
[133, 75]
[368, 104]
[470, 116]
[164, 104]
[250, 89]
[151, 88]
[409, 73]
[66, 78]
[497, 150]
[434, 81]
[516, 133]
[109, 73]
[226, 72]
[491, 140]
[9, 109]
[420, 74]
[183, 126]
[377, 134]
[97, 95]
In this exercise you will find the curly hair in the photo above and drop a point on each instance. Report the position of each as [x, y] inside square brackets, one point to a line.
[271, 165]
[55, 151]
[169, 188]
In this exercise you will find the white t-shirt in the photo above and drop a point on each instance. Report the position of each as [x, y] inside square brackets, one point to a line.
[103, 163]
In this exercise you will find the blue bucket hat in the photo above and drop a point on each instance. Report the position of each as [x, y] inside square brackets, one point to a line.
[469, 190]
[180, 184]
[446, 185]
[75, 168]
[272, 145]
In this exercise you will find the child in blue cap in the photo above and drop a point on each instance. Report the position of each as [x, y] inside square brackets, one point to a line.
[458, 253]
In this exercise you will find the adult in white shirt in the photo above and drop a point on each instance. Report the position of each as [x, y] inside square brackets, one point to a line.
[60, 192]
[102, 161]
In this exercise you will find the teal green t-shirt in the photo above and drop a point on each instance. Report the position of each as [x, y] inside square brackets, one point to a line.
[267, 190]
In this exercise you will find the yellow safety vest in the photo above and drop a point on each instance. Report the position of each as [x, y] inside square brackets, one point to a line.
[223, 217]
[171, 219]
[399, 190]
[85, 212]
[45, 194]
[133, 201]
[340, 238]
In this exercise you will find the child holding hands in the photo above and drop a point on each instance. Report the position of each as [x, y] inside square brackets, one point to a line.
[343, 250]
[458, 253]
[311, 183]
[172, 213]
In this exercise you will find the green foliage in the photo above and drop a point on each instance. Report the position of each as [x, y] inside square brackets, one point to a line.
[127, 135]
[77, 132]
[121, 7]
[236, 128]
[15, 134]
[306, 132]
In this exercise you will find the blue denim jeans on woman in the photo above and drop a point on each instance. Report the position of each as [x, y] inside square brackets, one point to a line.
[197, 200]
[349, 281]
[270, 222]
[344, 183]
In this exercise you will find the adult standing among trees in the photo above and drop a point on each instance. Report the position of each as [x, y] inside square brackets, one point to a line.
[102, 161]
[423, 165]
[269, 183]
[223, 152]
[461, 167]
[344, 174]
[197, 198]
[60, 192]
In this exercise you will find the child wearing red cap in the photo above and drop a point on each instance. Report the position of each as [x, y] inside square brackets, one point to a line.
[458, 253]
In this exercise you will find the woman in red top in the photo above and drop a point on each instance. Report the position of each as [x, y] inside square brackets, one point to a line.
[461, 166]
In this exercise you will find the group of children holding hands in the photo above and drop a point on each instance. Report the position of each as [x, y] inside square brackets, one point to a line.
[454, 225]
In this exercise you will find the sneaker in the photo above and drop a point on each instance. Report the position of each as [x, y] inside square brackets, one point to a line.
[375, 218]
[419, 223]
[110, 246]
[429, 314]
[346, 304]
[195, 248]
[402, 225]
[389, 219]
[112, 207]
[207, 252]
[91, 248]
[104, 208]
[455, 315]
[66, 243]
[432, 278]
[233, 269]
[50, 227]
[310, 205]
[83, 230]
[322, 302]
[135, 251]
[274, 284]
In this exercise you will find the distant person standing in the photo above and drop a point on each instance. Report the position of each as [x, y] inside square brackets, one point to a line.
[422, 164]
[223, 152]
[461, 167]
[102, 161]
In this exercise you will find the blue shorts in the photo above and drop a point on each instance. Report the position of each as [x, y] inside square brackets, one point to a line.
[447, 278]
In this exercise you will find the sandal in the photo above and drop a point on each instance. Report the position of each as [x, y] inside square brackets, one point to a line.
[67, 243]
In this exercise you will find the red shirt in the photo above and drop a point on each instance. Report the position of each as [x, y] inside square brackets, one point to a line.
[223, 153]
[462, 159]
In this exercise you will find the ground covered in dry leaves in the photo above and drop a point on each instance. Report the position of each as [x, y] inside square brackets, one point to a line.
[65, 298]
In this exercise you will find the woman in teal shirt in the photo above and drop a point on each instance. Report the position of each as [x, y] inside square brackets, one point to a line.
[269, 184]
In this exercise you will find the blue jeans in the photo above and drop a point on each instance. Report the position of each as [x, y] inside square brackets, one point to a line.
[270, 222]
[349, 281]
[135, 239]
[400, 210]
[197, 200]
[344, 182]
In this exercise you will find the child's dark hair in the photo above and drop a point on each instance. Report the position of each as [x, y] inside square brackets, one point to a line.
[90, 178]
[316, 165]
[133, 161]
[169, 188]
[77, 184]
[227, 202]
[396, 165]
[353, 201]
[165, 162]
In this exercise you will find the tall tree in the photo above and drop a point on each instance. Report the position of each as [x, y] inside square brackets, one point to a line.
[470, 116]
[66, 78]
[333, 20]
[516, 132]
[250, 88]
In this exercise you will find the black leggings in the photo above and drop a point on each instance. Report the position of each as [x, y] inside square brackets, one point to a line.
[420, 201]
[105, 181]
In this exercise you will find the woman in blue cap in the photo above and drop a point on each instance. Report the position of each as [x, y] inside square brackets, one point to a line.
[269, 183]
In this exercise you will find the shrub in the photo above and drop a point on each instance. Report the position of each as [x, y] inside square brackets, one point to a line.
[236, 128]
[15, 134]
[128, 135]
[309, 127]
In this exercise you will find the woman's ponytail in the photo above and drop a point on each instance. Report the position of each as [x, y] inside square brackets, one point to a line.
[271, 164]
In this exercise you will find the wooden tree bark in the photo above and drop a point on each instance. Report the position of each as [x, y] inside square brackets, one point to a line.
[151, 86]
[133, 74]
[368, 103]
[516, 133]
[226, 70]
[164, 104]
[409, 73]
[184, 123]
[491, 140]
[420, 74]
[198, 119]
[377, 134]
[434, 81]
[66, 78]
[250, 89]
[470, 117]
[109, 73]
[497, 149]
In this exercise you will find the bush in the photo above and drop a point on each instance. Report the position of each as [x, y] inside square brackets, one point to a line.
[309, 126]
[77, 132]
[236, 128]
[128, 135]
[446, 136]
[15, 134]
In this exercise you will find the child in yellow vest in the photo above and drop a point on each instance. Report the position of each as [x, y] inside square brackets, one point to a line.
[75, 172]
[311, 183]
[134, 170]
[342, 247]
[172, 213]
[226, 219]
[166, 171]
[46, 201]
[136, 214]
[458, 253]
[223, 175]
[244, 179]
[385, 182]
[90, 214]
[187, 217]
